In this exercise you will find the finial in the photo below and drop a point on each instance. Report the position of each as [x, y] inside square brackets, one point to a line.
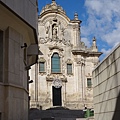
[94, 46]
[76, 16]
[53, 5]
[94, 39]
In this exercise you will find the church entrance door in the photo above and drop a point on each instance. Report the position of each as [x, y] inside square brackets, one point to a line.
[57, 96]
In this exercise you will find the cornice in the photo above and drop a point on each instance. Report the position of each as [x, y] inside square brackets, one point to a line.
[86, 53]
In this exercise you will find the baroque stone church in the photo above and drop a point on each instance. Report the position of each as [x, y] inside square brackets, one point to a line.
[63, 75]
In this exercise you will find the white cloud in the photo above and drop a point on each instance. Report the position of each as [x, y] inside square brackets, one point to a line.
[105, 52]
[86, 41]
[94, 5]
[103, 8]
[112, 38]
[103, 21]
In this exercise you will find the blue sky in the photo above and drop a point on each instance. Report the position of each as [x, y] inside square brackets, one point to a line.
[100, 18]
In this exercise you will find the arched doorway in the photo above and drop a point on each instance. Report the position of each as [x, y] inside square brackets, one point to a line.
[57, 97]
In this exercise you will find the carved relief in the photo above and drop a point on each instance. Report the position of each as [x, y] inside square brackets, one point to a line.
[42, 73]
[52, 77]
[56, 49]
[69, 61]
[43, 40]
[51, 7]
[80, 61]
[76, 27]
[51, 17]
[54, 32]
[57, 83]
[89, 75]
[63, 65]
[41, 59]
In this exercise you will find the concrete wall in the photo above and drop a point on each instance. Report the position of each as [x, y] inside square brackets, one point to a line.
[13, 72]
[13, 88]
[106, 79]
[26, 9]
[1, 55]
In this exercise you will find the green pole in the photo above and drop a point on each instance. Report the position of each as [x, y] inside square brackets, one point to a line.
[88, 113]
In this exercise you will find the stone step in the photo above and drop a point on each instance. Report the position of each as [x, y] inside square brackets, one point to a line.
[55, 114]
[63, 119]
[56, 119]
[61, 113]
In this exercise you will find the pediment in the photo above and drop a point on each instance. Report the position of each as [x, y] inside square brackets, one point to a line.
[56, 47]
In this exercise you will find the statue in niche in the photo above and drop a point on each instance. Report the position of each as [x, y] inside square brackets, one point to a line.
[54, 31]
[47, 29]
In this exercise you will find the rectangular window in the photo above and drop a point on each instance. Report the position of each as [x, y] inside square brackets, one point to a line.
[55, 61]
[1, 56]
[69, 68]
[42, 67]
[89, 83]
[55, 66]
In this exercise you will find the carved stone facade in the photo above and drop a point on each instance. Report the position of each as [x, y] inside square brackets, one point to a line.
[58, 34]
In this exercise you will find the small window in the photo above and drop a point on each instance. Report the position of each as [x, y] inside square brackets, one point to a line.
[55, 63]
[41, 66]
[89, 83]
[69, 68]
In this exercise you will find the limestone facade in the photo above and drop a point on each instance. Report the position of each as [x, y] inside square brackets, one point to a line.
[17, 33]
[106, 79]
[58, 35]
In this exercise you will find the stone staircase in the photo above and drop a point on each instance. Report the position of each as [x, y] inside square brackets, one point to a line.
[55, 114]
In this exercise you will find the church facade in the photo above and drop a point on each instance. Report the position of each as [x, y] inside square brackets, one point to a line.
[63, 75]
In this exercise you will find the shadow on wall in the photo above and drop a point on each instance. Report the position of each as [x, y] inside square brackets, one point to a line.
[34, 114]
[116, 115]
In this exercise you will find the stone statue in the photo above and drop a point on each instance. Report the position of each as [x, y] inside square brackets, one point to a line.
[54, 31]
